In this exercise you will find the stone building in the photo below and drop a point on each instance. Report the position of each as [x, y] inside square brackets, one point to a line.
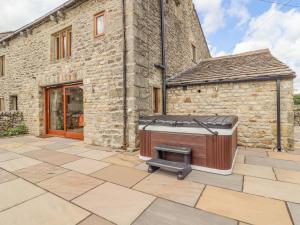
[244, 85]
[95, 64]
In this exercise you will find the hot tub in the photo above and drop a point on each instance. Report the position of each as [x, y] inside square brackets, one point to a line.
[213, 139]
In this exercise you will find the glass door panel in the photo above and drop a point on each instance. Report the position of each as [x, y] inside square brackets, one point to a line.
[74, 109]
[56, 109]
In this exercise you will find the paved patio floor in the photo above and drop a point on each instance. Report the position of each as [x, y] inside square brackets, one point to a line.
[56, 181]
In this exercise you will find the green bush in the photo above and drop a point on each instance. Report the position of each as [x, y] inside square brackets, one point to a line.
[18, 130]
[297, 99]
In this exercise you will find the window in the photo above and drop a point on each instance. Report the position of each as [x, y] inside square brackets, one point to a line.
[99, 26]
[13, 103]
[194, 53]
[2, 104]
[156, 95]
[2, 65]
[62, 44]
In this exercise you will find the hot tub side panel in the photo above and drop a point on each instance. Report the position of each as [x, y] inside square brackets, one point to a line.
[207, 150]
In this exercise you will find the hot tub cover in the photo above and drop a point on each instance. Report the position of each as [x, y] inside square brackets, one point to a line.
[218, 122]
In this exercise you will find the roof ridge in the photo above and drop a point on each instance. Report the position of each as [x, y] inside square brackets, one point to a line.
[259, 51]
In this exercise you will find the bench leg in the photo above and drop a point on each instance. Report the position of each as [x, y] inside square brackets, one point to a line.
[152, 169]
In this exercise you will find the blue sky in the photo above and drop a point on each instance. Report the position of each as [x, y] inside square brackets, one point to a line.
[234, 26]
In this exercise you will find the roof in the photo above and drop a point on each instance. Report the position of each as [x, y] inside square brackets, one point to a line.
[43, 19]
[5, 34]
[254, 65]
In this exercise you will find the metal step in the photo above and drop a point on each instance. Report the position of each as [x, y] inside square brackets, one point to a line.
[173, 149]
[166, 164]
[182, 169]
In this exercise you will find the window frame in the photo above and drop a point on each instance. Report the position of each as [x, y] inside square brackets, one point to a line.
[13, 107]
[61, 44]
[156, 100]
[103, 14]
[2, 104]
[2, 65]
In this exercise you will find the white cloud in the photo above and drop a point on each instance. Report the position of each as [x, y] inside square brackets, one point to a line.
[238, 9]
[213, 13]
[17, 13]
[280, 32]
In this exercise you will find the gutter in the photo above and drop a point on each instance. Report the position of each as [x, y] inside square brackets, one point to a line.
[265, 78]
[279, 147]
[125, 114]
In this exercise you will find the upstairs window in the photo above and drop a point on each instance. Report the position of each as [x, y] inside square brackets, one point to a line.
[62, 44]
[2, 104]
[157, 101]
[99, 24]
[194, 52]
[13, 103]
[2, 65]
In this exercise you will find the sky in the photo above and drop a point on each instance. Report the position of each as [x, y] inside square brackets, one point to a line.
[230, 26]
[235, 26]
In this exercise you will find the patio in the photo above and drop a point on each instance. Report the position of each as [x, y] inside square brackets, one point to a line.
[56, 181]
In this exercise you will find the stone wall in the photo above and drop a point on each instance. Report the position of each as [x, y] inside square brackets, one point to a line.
[10, 120]
[253, 102]
[95, 61]
[297, 115]
[182, 30]
[98, 63]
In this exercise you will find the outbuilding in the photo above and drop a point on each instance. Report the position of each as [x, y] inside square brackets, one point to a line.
[255, 86]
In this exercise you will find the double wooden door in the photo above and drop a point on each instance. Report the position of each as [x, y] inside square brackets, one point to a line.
[64, 111]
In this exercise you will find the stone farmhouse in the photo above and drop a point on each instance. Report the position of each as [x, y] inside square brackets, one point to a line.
[90, 68]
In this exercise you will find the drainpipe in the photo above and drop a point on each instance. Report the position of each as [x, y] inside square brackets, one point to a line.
[279, 147]
[163, 65]
[125, 115]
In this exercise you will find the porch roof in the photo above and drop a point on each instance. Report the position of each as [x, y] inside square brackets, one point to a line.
[249, 66]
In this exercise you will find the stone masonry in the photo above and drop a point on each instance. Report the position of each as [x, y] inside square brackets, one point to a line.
[253, 102]
[98, 63]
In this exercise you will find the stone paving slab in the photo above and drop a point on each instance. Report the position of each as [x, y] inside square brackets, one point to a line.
[46, 209]
[254, 170]
[254, 152]
[39, 172]
[9, 156]
[86, 166]
[272, 189]
[23, 148]
[95, 220]
[123, 160]
[163, 212]
[234, 181]
[19, 163]
[295, 212]
[276, 163]
[74, 150]
[70, 185]
[240, 158]
[284, 156]
[244, 207]
[167, 186]
[55, 146]
[121, 175]
[52, 157]
[17, 191]
[287, 175]
[41, 142]
[96, 154]
[115, 203]
[6, 176]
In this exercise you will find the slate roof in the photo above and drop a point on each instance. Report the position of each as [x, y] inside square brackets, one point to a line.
[255, 65]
